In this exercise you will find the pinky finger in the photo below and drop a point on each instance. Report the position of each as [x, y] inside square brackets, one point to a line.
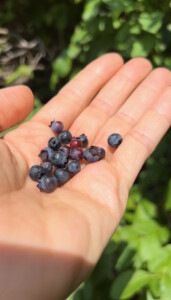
[143, 138]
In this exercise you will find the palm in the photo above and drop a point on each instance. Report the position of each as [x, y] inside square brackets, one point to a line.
[78, 219]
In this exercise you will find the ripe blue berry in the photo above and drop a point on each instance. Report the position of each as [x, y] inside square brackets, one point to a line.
[101, 153]
[65, 137]
[56, 126]
[47, 166]
[76, 153]
[48, 183]
[114, 140]
[65, 149]
[74, 166]
[59, 159]
[84, 140]
[54, 143]
[62, 175]
[94, 154]
[36, 172]
[46, 154]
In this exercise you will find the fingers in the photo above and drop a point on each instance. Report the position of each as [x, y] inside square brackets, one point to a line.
[143, 138]
[77, 94]
[111, 97]
[135, 106]
[16, 104]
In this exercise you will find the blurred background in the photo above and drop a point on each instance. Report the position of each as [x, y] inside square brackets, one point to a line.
[43, 44]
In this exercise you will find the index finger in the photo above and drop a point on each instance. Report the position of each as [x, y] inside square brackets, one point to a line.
[77, 94]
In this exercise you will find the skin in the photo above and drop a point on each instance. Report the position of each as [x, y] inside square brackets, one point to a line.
[49, 242]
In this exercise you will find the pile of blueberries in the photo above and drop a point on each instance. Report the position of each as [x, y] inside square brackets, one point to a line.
[61, 159]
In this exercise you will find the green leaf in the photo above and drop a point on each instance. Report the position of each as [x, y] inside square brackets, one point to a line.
[147, 246]
[166, 285]
[80, 36]
[161, 260]
[135, 29]
[138, 281]
[129, 283]
[73, 50]
[129, 234]
[142, 47]
[120, 284]
[167, 204]
[149, 296]
[154, 286]
[125, 259]
[169, 27]
[91, 10]
[167, 61]
[151, 22]
[62, 66]
[145, 227]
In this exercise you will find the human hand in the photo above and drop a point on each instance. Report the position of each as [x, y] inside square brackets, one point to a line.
[50, 242]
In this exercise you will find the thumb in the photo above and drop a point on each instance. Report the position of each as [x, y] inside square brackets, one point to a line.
[16, 103]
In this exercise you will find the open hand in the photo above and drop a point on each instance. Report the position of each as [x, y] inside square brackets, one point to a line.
[49, 242]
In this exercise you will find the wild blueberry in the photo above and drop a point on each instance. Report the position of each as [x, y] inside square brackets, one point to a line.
[56, 126]
[74, 166]
[94, 154]
[65, 149]
[114, 140]
[47, 166]
[62, 175]
[76, 153]
[90, 156]
[46, 154]
[36, 172]
[75, 143]
[101, 153]
[54, 143]
[59, 159]
[48, 183]
[65, 137]
[84, 140]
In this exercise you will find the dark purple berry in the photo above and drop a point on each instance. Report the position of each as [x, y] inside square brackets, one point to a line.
[48, 183]
[46, 154]
[36, 172]
[56, 126]
[94, 154]
[76, 153]
[65, 137]
[61, 175]
[47, 166]
[59, 159]
[84, 140]
[74, 166]
[114, 140]
[88, 156]
[101, 153]
[54, 143]
[75, 143]
[65, 149]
